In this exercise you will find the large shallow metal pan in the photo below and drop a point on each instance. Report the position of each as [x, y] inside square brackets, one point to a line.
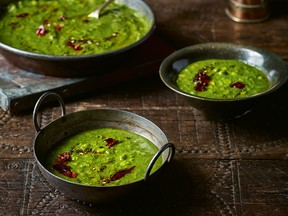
[78, 66]
[73, 123]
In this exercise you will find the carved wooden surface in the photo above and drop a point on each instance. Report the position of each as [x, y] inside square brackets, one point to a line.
[236, 167]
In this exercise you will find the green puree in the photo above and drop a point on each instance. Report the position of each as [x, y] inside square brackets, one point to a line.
[95, 162]
[216, 78]
[62, 27]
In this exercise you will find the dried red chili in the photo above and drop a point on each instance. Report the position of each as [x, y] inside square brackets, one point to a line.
[121, 173]
[111, 142]
[118, 175]
[41, 31]
[199, 87]
[202, 80]
[239, 85]
[22, 15]
[202, 77]
[77, 47]
[64, 158]
[65, 170]
[58, 27]
[72, 44]
[62, 167]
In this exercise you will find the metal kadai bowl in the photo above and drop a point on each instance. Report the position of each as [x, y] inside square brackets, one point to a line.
[83, 65]
[274, 68]
[73, 123]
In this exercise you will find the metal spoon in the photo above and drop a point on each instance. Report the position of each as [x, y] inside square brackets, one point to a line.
[96, 13]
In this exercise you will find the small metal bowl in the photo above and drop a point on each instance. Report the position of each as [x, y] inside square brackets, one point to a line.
[73, 123]
[78, 66]
[274, 68]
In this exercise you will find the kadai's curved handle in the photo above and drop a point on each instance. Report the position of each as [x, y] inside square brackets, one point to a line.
[169, 146]
[40, 101]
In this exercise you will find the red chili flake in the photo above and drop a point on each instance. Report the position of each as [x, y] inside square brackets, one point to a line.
[22, 15]
[199, 87]
[120, 174]
[64, 158]
[58, 27]
[72, 44]
[110, 142]
[102, 169]
[73, 175]
[77, 47]
[62, 18]
[46, 22]
[41, 31]
[202, 77]
[239, 85]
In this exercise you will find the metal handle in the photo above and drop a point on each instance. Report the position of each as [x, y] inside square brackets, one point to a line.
[156, 156]
[39, 102]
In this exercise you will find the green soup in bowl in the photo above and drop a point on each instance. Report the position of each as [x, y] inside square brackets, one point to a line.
[63, 27]
[218, 78]
[102, 157]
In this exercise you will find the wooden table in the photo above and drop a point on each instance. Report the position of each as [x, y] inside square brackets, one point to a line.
[236, 167]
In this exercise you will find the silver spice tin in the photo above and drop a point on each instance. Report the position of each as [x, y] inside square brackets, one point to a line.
[248, 11]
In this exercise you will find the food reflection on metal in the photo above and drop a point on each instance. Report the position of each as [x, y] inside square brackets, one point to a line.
[248, 11]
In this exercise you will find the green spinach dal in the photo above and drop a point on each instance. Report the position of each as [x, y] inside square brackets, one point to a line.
[62, 27]
[102, 157]
[216, 78]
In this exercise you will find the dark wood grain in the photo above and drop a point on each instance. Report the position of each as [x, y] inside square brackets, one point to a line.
[236, 167]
